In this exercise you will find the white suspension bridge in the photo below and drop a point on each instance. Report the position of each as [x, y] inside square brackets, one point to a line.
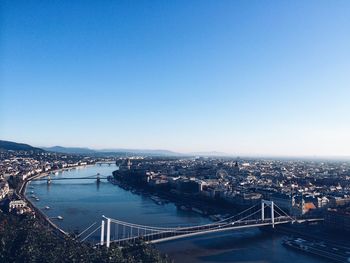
[116, 231]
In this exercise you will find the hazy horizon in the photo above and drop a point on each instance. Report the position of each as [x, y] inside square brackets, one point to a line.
[201, 153]
[247, 78]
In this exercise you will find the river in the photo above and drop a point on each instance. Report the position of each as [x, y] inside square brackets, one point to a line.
[82, 202]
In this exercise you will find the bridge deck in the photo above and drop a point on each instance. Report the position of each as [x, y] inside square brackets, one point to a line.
[219, 230]
[162, 236]
[71, 178]
[156, 234]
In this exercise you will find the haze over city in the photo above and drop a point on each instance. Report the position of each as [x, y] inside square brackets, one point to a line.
[239, 77]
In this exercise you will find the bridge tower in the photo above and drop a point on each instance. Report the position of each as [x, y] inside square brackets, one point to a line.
[272, 206]
[108, 234]
[98, 179]
[102, 232]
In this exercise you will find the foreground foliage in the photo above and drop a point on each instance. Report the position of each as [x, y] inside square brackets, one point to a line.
[23, 239]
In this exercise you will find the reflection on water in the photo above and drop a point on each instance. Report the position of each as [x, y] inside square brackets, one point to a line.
[81, 202]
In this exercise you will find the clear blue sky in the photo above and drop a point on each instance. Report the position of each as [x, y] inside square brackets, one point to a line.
[241, 77]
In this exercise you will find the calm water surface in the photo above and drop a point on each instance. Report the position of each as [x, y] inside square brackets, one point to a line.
[82, 202]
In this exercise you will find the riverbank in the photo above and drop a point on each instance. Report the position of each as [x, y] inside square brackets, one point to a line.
[213, 209]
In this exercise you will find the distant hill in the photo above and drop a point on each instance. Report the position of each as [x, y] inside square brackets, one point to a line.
[209, 154]
[70, 150]
[14, 146]
[78, 150]
[7, 145]
[143, 151]
[121, 151]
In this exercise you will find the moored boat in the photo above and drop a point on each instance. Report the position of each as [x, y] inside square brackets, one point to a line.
[321, 249]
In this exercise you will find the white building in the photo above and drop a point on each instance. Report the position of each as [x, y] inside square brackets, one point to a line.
[19, 205]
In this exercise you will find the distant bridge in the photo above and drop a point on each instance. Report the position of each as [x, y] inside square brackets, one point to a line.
[49, 178]
[109, 163]
[269, 214]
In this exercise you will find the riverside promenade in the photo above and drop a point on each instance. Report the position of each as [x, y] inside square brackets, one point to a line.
[45, 220]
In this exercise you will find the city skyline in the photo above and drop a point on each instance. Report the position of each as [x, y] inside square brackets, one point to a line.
[243, 78]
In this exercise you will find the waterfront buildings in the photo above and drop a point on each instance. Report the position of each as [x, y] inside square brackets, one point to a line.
[298, 187]
[338, 218]
[16, 167]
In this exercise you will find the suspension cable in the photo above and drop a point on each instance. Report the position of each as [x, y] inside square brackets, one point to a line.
[154, 230]
[86, 229]
[91, 233]
[180, 228]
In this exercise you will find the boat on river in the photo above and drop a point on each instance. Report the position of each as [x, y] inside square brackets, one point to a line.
[197, 210]
[185, 208]
[322, 249]
[215, 217]
[157, 200]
